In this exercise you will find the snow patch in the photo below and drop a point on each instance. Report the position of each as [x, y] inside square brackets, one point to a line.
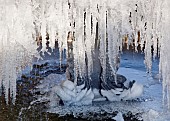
[118, 117]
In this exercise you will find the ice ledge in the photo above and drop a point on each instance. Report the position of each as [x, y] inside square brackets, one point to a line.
[80, 95]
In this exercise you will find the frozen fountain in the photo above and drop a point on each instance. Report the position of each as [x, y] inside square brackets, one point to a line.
[91, 33]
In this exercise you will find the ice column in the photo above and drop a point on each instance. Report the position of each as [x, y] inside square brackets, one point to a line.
[102, 36]
[114, 38]
[164, 52]
[17, 45]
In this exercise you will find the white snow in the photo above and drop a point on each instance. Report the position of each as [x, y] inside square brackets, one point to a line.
[151, 115]
[118, 117]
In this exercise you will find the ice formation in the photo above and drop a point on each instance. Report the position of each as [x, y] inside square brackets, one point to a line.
[137, 21]
[118, 117]
[17, 44]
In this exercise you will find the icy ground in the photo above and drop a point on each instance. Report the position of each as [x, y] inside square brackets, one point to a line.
[149, 105]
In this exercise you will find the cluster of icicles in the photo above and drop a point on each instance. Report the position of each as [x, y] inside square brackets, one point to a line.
[138, 21]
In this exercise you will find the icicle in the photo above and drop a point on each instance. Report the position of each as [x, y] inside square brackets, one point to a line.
[102, 37]
[126, 26]
[52, 25]
[114, 38]
[164, 51]
[88, 40]
[151, 30]
[43, 26]
[1, 60]
[16, 27]
[148, 54]
[79, 55]
[111, 45]
[66, 21]
[94, 21]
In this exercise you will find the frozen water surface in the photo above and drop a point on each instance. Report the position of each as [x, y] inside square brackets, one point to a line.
[149, 105]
